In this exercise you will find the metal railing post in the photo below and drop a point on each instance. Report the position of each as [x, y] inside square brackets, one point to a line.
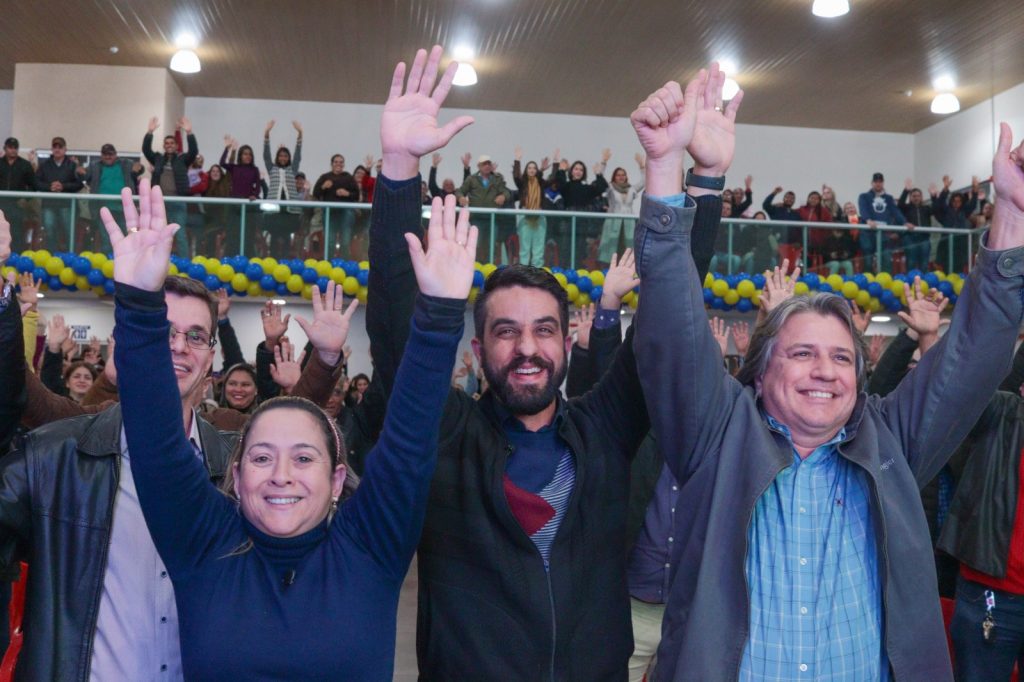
[572, 243]
[71, 227]
[491, 245]
[728, 269]
[241, 230]
[806, 254]
[878, 249]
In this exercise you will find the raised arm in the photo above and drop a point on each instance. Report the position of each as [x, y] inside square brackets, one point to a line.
[936, 405]
[186, 515]
[689, 390]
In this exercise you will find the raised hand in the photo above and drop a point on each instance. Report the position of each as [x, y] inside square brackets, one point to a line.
[778, 287]
[269, 127]
[286, 369]
[908, 184]
[445, 269]
[329, 329]
[714, 136]
[721, 333]
[154, 123]
[620, 279]
[1008, 179]
[185, 124]
[109, 369]
[583, 320]
[640, 159]
[923, 310]
[223, 304]
[408, 126]
[28, 297]
[435, 159]
[861, 318]
[5, 239]
[664, 123]
[518, 153]
[875, 346]
[466, 159]
[274, 325]
[57, 333]
[141, 256]
[605, 155]
[298, 127]
[741, 337]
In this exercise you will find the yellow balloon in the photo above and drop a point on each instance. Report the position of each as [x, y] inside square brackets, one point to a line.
[172, 269]
[885, 279]
[269, 263]
[957, 286]
[254, 289]
[350, 286]
[323, 268]
[199, 259]
[835, 281]
[67, 277]
[561, 279]
[583, 300]
[897, 288]
[40, 257]
[876, 305]
[361, 295]
[708, 279]
[756, 299]
[924, 287]
[364, 265]
[97, 260]
[281, 273]
[745, 288]
[634, 300]
[597, 277]
[307, 292]
[294, 284]
[212, 265]
[849, 289]
[240, 283]
[54, 265]
[310, 262]
[801, 288]
[82, 283]
[869, 276]
[488, 269]
[473, 294]
[225, 273]
[940, 274]
[731, 297]
[337, 276]
[573, 292]
[108, 269]
[863, 298]
[719, 287]
[99, 291]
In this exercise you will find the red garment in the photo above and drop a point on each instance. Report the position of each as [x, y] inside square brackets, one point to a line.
[369, 182]
[817, 214]
[1014, 580]
[200, 187]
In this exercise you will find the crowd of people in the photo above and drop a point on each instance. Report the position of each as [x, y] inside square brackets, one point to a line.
[791, 513]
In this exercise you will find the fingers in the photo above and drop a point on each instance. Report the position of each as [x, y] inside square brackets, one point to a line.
[452, 128]
[906, 318]
[159, 211]
[111, 226]
[1005, 140]
[350, 311]
[474, 235]
[462, 227]
[415, 251]
[416, 73]
[426, 83]
[442, 89]
[435, 229]
[318, 302]
[397, 79]
[448, 218]
[734, 106]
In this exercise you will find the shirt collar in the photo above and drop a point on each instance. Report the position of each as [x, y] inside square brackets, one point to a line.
[195, 439]
[776, 425]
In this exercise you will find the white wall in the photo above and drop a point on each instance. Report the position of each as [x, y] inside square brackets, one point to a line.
[963, 144]
[6, 112]
[797, 158]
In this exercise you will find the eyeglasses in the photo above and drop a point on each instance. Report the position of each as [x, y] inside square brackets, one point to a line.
[195, 338]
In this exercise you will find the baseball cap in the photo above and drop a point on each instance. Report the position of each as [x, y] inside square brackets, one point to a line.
[11, 142]
[877, 177]
[483, 158]
[108, 149]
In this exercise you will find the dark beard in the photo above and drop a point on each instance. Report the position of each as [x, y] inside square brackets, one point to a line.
[527, 400]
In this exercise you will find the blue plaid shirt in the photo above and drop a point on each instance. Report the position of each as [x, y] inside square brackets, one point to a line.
[812, 571]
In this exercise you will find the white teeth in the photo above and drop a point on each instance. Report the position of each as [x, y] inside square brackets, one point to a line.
[283, 500]
[820, 394]
[534, 370]
[180, 368]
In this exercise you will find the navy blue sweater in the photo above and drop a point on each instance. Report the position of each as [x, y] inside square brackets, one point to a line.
[238, 617]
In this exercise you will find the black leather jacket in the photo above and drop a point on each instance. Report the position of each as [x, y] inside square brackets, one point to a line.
[56, 510]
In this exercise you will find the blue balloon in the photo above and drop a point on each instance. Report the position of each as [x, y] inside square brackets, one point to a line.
[336, 262]
[108, 286]
[584, 284]
[351, 269]
[212, 282]
[225, 260]
[946, 288]
[309, 275]
[81, 266]
[478, 279]
[197, 271]
[758, 281]
[595, 293]
[363, 277]
[95, 278]
[901, 278]
[744, 305]
[267, 283]
[708, 296]
[25, 264]
[718, 303]
[282, 290]
[894, 306]
[861, 281]
[68, 258]
[932, 279]
[733, 280]
[914, 273]
[952, 298]
[253, 271]
[825, 288]
[875, 289]
[813, 280]
[571, 276]
[322, 283]
[41, 274]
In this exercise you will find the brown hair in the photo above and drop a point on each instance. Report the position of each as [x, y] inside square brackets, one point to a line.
[80, 363]
[193, 288]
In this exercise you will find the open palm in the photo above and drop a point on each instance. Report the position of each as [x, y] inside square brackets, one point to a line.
[328, 330]
[445, 268]
[142, 255]
[1007, 170]
[714, 135]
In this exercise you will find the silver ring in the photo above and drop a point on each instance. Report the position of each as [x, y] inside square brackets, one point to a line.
[461, 243]
[133, 229]
[719, 109]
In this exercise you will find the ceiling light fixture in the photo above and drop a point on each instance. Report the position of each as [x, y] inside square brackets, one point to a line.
[945, 103]
[881, 318]
[464, 75]
[829, 9]
[729, 89]
[944, 83]
[728, 66]
[185, 61]
[462, 53]
[186, 40]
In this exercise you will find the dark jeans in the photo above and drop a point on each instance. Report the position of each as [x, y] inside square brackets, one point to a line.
[976, 659]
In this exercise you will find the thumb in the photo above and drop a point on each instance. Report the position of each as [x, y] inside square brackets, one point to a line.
[273, 373]
[1005, 140]
[453, 127]
[415, 251]
[304, 324]
[906, 318]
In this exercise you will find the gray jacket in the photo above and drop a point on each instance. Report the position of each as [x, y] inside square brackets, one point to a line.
[725, 456]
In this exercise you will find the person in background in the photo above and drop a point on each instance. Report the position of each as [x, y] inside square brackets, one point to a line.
[338, 186]
[239, 389]
[532, 230]
[815, 212]
[447, 185]
[220, 221]
[622, 198]
[953, 209]
[828, 200]
[742, 197]
[109, 176]
[78, 378]
[16, 175]
[916, 245]
[170, 172]
[282, 224]
[838, 249]
[198, 183]
[246, 183]
[58, 175]
[878, 208]
[790, 243]
[581, 195]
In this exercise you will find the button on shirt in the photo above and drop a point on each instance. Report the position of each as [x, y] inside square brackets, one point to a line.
[650, 562]
[812, 572]
[137, 626]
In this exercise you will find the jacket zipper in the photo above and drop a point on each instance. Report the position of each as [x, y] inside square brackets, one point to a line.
[554, 623]
[86, 669]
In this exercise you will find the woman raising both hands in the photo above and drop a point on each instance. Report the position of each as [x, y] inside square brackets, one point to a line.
[272, 581]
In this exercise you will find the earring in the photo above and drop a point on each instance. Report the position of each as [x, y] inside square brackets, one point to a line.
[334, 505]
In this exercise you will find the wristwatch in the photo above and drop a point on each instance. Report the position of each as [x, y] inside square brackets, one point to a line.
[705, 182]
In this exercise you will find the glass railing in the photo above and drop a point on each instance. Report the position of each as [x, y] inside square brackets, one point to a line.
[316, 240]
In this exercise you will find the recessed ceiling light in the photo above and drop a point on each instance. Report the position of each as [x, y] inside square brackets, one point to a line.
[463, 53]
[186, 40]
[729, 89]
[465, 75]
[728, 66]
[945, 103]
[944, 83]
[830, 9]
[113, 49]
[185, 61]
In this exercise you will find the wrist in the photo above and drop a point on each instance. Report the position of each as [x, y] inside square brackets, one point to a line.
[609, 301]
[272, 342]
[400, 165]
[664, 176]
[329, 358]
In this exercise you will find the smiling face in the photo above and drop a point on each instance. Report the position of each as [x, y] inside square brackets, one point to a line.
[810, 383]
[577, 171]
[79, 382]
[170, 146]
[245, 156]
[524, 350]
[337, 164]
[240, 389]
[619, 176]
[191, 365]
[788, 199]
[216, 173]
[285, 480]
[531, 170]
[284, 157]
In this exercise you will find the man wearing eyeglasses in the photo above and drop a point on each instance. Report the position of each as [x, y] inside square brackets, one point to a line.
[99, 603]
[57, 174]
